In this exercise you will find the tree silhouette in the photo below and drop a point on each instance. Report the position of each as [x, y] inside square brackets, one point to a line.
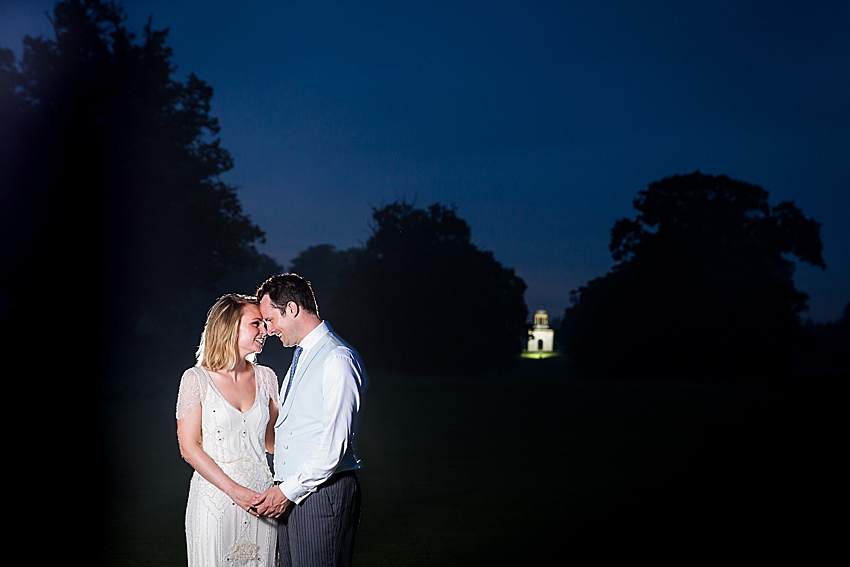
[422, 298]
[322, 265]
[823, 355]
[112, 168]
[702, 285]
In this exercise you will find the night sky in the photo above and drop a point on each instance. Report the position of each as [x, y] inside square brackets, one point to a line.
[540, 121]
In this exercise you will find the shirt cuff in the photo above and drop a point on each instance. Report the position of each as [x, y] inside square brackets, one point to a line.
[293, 490]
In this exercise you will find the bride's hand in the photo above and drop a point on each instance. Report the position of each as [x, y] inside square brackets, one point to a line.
[244, 497]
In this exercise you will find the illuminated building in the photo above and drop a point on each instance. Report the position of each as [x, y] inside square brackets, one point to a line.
[541, 338]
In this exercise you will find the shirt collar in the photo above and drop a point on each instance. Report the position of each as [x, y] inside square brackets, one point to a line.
[313, 337]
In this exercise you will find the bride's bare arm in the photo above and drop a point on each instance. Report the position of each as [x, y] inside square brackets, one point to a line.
[273, 412]
[189, 438]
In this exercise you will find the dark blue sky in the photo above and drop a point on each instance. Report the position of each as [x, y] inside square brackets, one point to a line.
[540, 121]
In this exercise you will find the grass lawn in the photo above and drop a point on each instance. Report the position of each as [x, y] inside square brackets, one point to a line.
[532, 467]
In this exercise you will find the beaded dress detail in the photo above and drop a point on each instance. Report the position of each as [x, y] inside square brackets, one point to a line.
[218, 532]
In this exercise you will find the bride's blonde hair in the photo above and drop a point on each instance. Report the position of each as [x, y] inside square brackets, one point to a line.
[218, 349]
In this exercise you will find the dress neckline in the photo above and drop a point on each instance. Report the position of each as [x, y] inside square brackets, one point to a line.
[223, 397]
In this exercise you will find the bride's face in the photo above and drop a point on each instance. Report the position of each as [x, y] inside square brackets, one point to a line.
[252, 331]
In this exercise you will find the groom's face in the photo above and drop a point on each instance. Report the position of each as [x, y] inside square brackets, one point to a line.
[279, 324]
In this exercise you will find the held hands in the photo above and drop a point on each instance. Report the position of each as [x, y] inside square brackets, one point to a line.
[244, 498]
[272, 503]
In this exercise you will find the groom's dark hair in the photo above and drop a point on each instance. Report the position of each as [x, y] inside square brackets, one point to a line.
[284, 288]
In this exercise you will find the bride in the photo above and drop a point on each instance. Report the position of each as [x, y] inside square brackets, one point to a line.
[226, 409]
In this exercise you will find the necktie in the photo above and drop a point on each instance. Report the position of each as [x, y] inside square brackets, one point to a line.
[295, 356]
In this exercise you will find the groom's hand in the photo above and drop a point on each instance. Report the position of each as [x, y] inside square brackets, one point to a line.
[272, 503]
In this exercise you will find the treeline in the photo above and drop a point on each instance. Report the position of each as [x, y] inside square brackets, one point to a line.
[115, 221]
[701, 289]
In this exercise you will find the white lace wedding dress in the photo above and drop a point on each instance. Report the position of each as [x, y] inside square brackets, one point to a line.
[218, 532]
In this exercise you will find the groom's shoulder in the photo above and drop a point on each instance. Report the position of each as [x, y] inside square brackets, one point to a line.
[339, 342]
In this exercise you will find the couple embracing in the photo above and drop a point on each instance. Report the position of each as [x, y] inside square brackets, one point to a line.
[230, 413]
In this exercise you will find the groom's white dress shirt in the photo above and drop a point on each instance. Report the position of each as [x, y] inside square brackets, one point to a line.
[317, 426]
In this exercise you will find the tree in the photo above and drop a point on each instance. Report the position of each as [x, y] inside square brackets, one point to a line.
[823, 355]
[422, 298]
[115, 171]
[322, 265]
[701, 286]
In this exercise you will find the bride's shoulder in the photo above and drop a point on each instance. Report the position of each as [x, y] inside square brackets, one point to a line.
[194, 378]
[267, 379]
[265, 372]
[193, 373]
[192, 390]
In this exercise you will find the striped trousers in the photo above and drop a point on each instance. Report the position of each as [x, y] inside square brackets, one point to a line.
[320, 531]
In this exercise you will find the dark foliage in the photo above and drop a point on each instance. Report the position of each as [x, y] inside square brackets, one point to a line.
[420, 297]
[702, 286]
[110, 168]
[322, 265]
[823, 353]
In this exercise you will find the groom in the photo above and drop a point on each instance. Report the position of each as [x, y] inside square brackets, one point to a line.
[314, 460]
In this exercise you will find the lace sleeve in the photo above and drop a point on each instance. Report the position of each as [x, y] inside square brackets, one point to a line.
[190, 393]
[268, 380]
